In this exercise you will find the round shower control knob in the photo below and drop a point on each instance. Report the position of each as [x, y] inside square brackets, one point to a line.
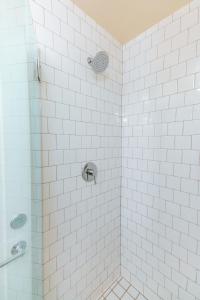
[89, 172]
[19, 221]
[19, 248]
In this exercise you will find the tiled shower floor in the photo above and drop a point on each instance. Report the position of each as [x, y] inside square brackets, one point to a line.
[122, 289]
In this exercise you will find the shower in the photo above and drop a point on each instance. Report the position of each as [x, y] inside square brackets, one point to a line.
[99, 150]
[100, 62]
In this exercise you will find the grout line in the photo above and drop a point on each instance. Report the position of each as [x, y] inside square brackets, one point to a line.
[117, 283]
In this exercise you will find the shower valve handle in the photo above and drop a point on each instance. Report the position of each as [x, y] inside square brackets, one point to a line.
[90, 172]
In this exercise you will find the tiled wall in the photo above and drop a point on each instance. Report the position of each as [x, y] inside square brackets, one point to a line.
[81, 122]
[161, 143]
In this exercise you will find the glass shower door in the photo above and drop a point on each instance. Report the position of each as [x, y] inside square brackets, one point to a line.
[19, 220]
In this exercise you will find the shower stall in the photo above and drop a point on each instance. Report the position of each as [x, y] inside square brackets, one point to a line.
[99, 156]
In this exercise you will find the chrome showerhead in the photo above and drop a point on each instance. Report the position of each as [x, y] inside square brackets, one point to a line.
[100, 62]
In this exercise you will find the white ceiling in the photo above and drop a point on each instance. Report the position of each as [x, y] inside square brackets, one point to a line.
[125, 19]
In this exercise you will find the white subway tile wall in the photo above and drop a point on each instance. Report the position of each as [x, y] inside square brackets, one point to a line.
[160, 158]
[81, 122]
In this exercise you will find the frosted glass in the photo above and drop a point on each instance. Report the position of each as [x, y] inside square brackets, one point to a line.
[19, 170]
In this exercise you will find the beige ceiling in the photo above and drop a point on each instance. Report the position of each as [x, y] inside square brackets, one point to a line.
[125, 19]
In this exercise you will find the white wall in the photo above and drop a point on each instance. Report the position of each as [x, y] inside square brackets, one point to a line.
[81, 122]
[160, 173]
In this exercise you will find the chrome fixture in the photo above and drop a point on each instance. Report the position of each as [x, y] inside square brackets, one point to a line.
[17, 251]
[90, 172]
[19, 221]
[38, 67]
[18, 248]
[100, 62]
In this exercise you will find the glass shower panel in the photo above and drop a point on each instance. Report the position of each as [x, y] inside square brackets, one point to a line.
[20, 205]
